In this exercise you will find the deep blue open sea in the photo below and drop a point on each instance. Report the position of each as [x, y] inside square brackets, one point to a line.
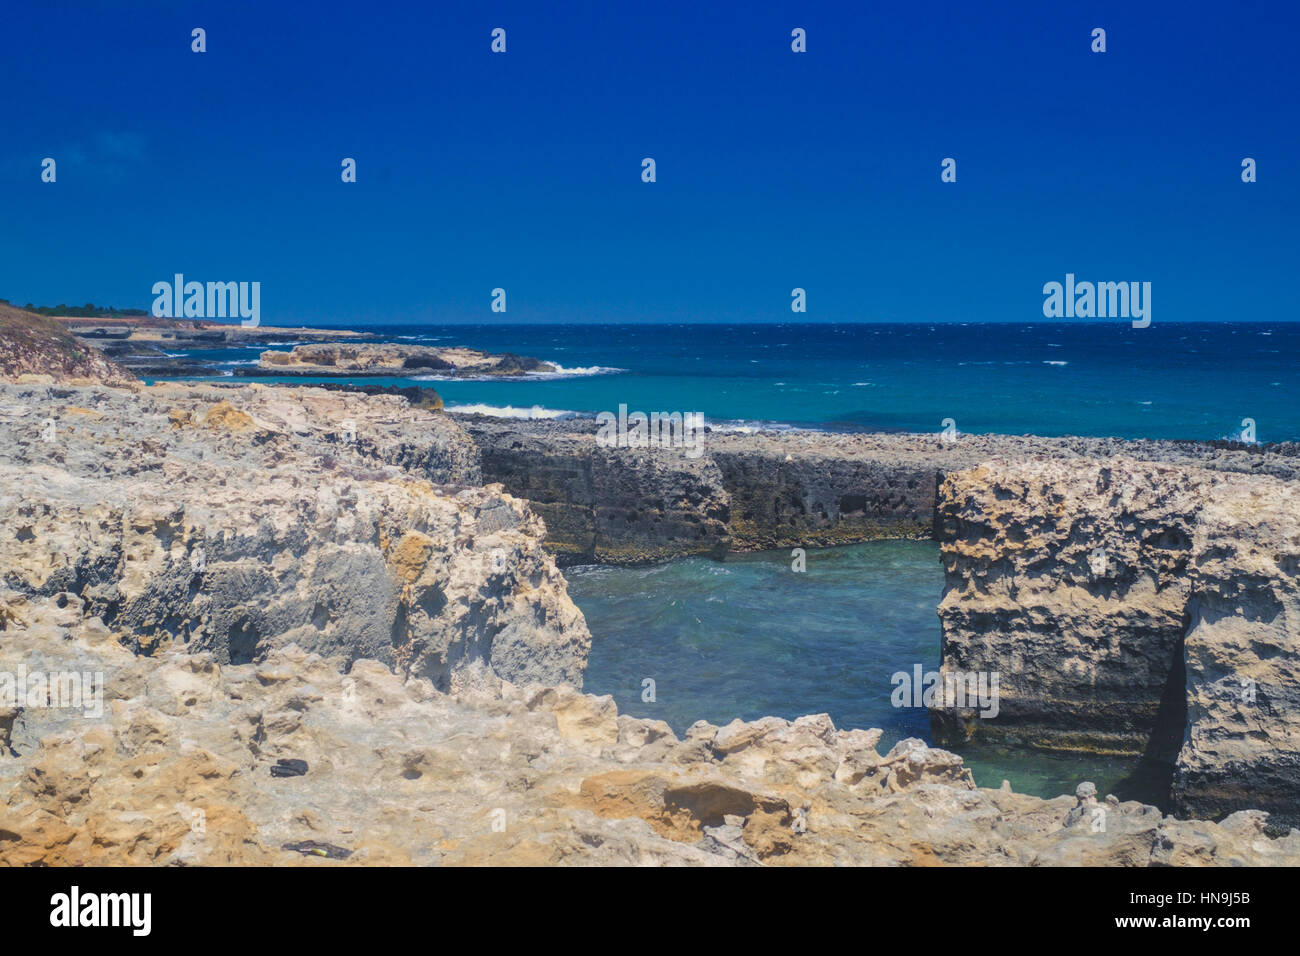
[749, 637]
[1170, 380]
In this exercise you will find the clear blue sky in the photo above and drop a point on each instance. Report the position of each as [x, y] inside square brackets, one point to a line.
[775, 169]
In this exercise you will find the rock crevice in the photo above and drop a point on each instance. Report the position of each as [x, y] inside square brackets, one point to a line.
[1136, 608]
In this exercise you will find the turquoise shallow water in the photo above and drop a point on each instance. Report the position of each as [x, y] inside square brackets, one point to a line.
[750, 637]
[1171, 380]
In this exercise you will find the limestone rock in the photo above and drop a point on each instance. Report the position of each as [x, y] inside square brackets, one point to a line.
[392, 359]
[1133, 607]
[1242, 747]
[173, 768]
[339, 522]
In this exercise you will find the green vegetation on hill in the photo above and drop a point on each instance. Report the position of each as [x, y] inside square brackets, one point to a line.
[87, 311]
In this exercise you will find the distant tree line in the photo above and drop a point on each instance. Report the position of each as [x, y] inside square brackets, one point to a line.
[87, 311]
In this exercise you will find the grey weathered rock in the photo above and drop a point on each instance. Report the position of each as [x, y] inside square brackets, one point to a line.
[1242, 652]
[606, 505]
[759, 490]
[1070, 580]
[1133, 607]
[237, 520]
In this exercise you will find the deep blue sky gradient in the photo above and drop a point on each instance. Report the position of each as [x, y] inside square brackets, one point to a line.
[775, 169]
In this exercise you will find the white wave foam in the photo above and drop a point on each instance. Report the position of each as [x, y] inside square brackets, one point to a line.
[562, 372]
[509, 411]
[753, 428]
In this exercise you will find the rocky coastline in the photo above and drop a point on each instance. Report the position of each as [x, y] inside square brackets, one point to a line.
[141, 343]
[141, 346]
[1134, 597]
[760, 490]
[389, 360]
[338, 621]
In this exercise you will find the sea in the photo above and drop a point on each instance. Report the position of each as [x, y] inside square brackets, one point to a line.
[1170, 380]
[747, 637]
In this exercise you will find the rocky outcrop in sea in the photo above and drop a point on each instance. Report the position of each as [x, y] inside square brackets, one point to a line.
[392, 360]
[147, 346]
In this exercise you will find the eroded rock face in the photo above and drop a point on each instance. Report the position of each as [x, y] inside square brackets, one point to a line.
[767, 490]
[786, 494]
[1070, 580]
[1242, 749]
[176, 767]
[621, 506]
[1132, 607]
[238, 520]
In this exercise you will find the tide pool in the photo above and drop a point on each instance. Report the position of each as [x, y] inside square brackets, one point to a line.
[750, 637]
